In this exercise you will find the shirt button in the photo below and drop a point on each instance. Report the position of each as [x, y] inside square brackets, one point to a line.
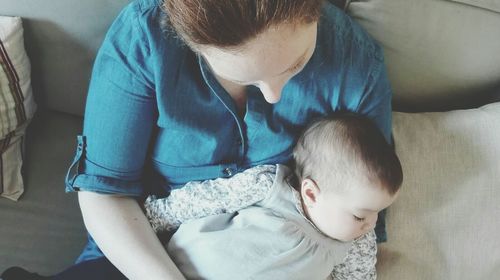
[238, 141]
[228, 172]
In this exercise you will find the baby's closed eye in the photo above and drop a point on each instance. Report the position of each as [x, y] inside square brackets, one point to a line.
[358, 219]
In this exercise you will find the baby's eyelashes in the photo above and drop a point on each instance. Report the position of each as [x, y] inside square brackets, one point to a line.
[358, 219]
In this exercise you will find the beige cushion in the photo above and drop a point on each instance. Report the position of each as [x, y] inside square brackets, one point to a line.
[493, 5]
[17, 105]
[44, 231]
[445, 223]
[439, 54]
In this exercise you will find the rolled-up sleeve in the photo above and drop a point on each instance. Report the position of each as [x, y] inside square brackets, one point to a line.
[120, 113]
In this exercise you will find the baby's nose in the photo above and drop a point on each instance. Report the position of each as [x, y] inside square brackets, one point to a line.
[370, 223]
[367, 227]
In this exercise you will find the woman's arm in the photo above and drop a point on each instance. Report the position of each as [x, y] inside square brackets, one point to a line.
[123, 233]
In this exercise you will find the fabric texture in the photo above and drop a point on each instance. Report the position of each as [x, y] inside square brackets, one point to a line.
[17, 105]
[201, 199]
[269, 240]
[198, 199]
[445, 222]
[359, 264]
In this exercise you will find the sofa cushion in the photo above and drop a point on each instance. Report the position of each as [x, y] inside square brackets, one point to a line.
[44, 231]
[493, 5]
[445, 224]
[439, 54]
[62, 37]
[17, 105]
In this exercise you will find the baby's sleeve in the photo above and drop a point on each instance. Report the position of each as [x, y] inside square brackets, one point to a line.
[360, 261]
[198, 199]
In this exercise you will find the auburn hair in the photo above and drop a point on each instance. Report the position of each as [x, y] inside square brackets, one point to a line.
[232, 23]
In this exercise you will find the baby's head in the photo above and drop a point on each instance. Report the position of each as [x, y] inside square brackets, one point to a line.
[347, 173]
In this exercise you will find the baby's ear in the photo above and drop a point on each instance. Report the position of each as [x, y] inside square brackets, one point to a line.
[309, 192]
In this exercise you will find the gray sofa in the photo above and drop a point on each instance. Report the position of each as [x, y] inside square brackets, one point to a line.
[441, 56]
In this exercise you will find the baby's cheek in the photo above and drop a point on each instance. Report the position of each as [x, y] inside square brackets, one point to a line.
[344, 227]
[355, 229]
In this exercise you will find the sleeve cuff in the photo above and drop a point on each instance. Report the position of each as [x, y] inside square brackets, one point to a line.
[101, 180]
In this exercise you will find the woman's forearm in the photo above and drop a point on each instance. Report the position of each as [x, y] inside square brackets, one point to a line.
[123, 233]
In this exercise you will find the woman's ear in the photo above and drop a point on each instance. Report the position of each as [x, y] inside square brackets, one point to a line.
[309, 192]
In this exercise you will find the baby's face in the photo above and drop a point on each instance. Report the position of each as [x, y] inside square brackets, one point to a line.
[348, 215]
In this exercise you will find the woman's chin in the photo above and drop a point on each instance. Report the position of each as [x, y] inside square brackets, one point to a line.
[272, 99]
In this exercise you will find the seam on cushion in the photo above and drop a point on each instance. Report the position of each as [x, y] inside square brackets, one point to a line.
[479, 4]
[4, 143]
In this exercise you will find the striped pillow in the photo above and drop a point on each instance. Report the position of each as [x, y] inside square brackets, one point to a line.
[17, 105]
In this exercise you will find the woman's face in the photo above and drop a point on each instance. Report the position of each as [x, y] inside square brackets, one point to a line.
[268, 61]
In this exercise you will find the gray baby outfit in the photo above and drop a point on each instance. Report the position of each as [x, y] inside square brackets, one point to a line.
[252, 227]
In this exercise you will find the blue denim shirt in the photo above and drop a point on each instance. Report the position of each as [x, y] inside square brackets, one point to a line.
[156, 117]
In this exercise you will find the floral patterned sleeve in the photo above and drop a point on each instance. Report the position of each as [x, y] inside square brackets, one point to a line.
[360, 261]
[199, 199]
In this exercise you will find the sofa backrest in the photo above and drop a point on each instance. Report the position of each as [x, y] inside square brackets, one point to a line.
[61, 38]
[440, 54]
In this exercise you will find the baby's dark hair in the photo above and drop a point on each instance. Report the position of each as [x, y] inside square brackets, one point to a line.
[345, 145]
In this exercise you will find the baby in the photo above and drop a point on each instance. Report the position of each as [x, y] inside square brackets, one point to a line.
[270, 222]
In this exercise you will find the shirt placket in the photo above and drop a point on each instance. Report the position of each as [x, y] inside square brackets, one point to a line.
[229, 169]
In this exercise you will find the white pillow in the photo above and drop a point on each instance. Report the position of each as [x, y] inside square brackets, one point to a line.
[445, 223]
[16, 105]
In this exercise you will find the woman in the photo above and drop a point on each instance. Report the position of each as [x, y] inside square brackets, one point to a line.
[213, 88]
